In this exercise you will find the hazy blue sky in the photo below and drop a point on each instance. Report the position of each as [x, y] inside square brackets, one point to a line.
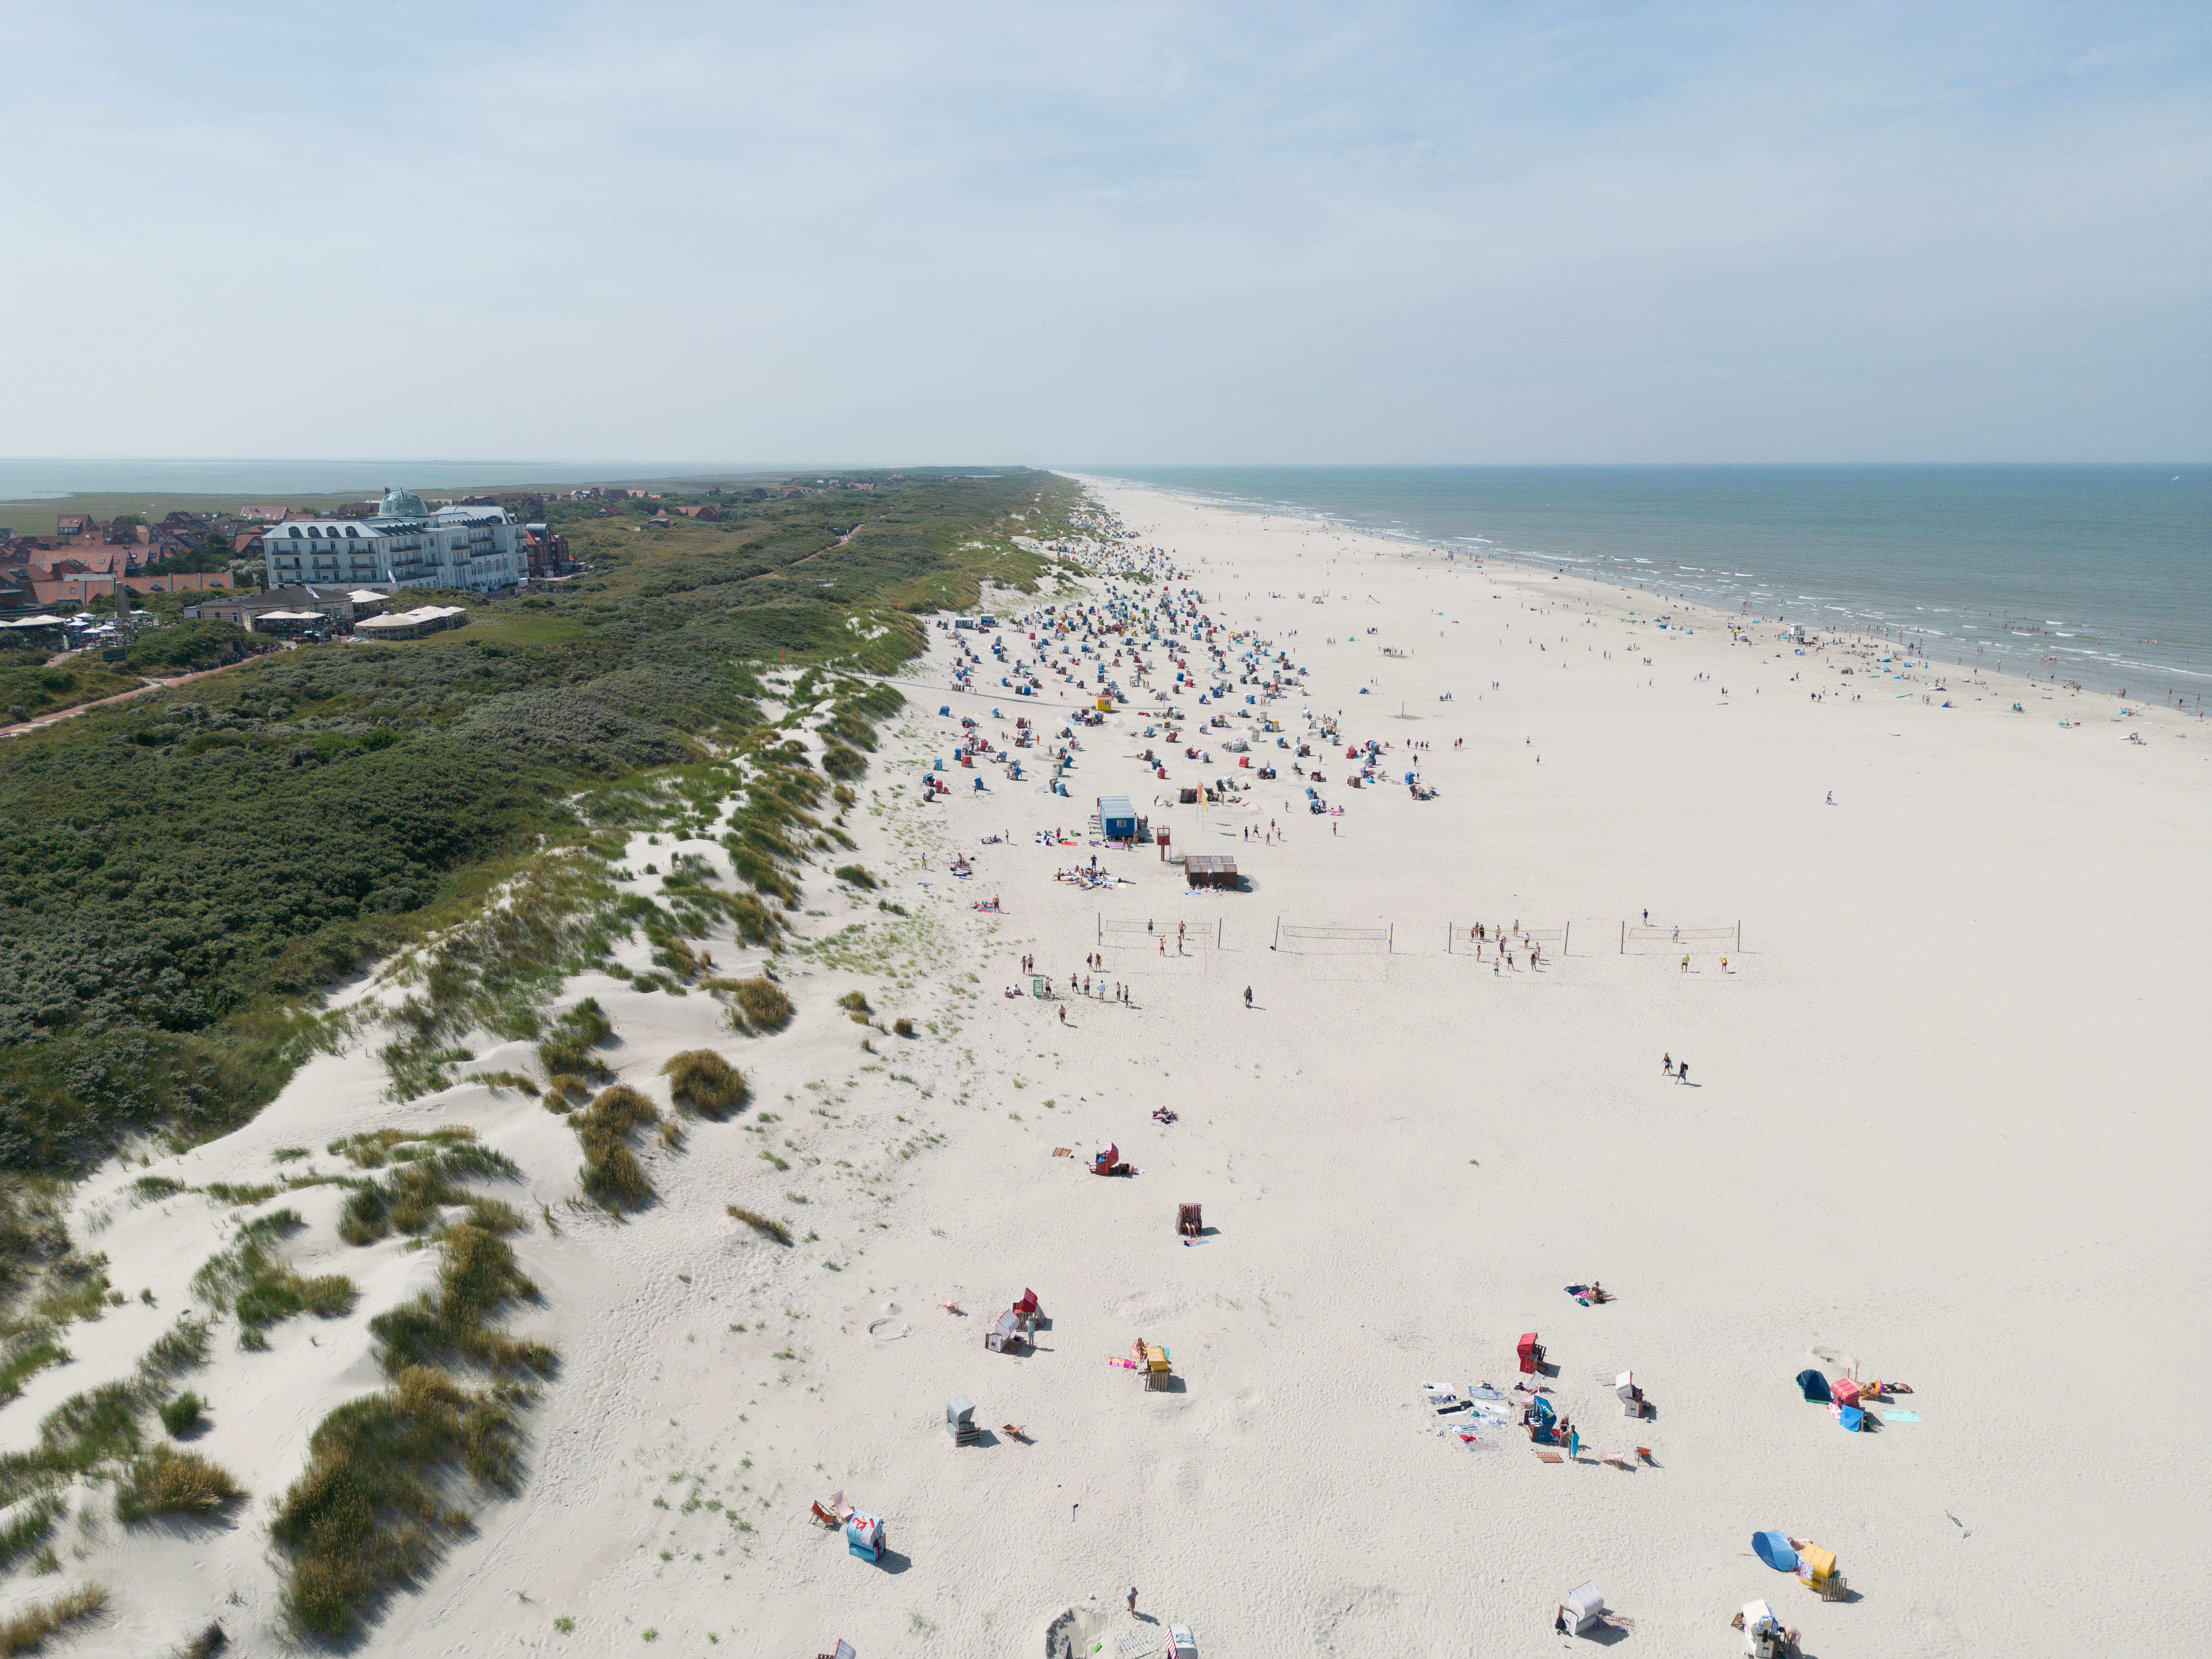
[1107, 233]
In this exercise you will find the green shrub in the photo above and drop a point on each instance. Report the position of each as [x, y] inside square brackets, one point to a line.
[183, 1414]
[903, 1027]
[184, 646]
[854, 875]
[702, 1080]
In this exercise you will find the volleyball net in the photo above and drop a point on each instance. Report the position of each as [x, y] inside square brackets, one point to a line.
[1640, 939]
[1479, 938]
[1333, 938]
[1126, 933]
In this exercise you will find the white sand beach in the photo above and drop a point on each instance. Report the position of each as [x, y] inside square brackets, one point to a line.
[1940, 1118]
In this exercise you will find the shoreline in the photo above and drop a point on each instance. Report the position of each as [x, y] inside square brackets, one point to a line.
[2091, 674]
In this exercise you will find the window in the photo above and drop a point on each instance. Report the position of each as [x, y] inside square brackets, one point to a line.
[295, 532]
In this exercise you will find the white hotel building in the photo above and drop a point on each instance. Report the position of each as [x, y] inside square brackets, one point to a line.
[406, 544]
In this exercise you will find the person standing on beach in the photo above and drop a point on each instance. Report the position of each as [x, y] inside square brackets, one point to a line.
[1682, 1073]
[1667, 1064]
[1133, 1598]
[1686, 962]
[1248, 996]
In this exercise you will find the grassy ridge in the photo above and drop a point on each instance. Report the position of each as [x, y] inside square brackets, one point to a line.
[179, 875]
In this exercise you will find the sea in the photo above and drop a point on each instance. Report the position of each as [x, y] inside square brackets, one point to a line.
[51, 480]
[2098, 574]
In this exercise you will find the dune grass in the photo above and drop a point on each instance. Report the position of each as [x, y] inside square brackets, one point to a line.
[166, 1481]
[262, 1290]
[702, 1081]
[775, 1229]
[758, 1004]
[612, 1174]
[372, 1507]
[477, 1274]
[30, 1354]
[367, 1511]
[26, 1632]
[31, 1527]
[567, 1047]
[426, 1170]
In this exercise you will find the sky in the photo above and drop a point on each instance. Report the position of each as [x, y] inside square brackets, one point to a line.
[1107, 234]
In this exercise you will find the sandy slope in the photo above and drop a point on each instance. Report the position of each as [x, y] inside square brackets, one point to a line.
[1940, 1120]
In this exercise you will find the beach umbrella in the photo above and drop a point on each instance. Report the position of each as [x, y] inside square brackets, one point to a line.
[1774, 1548]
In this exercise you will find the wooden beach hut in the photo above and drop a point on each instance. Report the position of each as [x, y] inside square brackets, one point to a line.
[1214, 870]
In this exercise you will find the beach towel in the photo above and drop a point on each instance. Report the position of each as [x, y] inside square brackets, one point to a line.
[1890, 1416]
[1549, 1457]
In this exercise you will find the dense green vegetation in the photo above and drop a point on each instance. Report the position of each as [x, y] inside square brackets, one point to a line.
[180, 874]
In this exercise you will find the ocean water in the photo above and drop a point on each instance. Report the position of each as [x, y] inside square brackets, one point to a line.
[45, 480]
[2101, 574]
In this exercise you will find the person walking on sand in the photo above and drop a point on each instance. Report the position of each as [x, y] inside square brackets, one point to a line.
[1682, 1073]
[1248, 996]
[1667, 1064]
[1133, 1598]
[1686, 962]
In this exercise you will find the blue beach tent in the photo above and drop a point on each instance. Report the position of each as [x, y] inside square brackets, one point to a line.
[1852, 1418]
[1773, 1549]
[1813, 1386]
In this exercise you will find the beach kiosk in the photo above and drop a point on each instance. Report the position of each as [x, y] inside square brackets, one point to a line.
[1182, 1645]
[1005, 1336]
[1532, 1354]
[1117, 818]
[1106, 1160]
